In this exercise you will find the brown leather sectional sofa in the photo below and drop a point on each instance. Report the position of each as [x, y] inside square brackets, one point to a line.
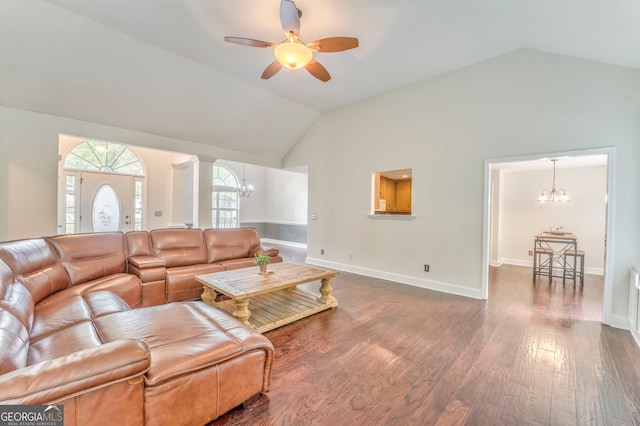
[105, 324]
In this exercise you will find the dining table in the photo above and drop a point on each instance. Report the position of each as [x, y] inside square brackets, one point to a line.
[550, 255]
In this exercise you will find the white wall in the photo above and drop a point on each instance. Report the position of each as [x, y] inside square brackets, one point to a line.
[444, 128]
[585, 215]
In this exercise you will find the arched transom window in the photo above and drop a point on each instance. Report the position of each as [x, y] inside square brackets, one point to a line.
[104, 157]
[224, 209]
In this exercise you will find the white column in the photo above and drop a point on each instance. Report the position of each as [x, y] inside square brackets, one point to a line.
[204, 191]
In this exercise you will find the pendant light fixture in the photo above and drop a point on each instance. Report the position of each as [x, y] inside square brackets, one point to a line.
[553, 196]
[244, 190]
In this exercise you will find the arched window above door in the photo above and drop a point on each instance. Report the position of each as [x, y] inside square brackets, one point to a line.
[104, 157]
[222, 176]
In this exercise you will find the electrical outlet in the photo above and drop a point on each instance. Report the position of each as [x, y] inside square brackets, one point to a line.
[426, 268]
[530, 252]
[321, 251]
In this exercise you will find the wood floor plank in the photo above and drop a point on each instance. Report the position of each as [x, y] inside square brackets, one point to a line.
[513, 405]
[629, 366]
[491, 394]
[563, 400]
[393, 354]
[538, 405]
[614, 404]
[564, 361]
[589, 409]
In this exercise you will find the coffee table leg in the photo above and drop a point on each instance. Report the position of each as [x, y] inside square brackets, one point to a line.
[208, 296]
[325, 290]
[242, 311]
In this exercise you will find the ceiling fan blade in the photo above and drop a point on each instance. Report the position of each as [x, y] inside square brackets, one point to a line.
[318, 71]
[271, 70]
[333, 44]
[289, 17]
[249, 42]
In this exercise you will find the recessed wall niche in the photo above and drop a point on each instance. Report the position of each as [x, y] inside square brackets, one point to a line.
[392, 192]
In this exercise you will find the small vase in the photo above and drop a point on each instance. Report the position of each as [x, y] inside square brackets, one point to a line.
[263, 269]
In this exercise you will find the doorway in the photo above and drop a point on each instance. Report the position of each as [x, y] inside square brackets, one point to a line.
[101, 187]
[105, 202]
[489, 223]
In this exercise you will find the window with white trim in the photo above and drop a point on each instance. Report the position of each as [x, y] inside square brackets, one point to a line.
[224, 200]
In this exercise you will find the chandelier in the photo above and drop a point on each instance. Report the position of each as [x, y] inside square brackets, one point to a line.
[555, 195]
[244, 190]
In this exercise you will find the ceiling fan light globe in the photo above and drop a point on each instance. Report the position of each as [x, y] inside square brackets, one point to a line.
[293, 54]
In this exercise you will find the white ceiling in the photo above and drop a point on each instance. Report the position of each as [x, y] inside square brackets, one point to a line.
[161, 66]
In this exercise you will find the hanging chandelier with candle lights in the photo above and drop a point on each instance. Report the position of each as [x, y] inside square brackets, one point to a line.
[554, 195]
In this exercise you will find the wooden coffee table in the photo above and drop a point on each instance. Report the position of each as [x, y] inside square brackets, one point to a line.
[275, 298]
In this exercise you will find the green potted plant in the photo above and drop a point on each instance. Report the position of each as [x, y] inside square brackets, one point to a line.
[262, 260]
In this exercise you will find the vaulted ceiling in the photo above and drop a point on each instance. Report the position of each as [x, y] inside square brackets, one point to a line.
[162, 66]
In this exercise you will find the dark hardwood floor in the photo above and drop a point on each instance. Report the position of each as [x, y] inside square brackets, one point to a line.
[393, 354]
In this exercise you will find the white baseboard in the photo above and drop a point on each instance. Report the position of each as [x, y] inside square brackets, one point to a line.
[619, 321]
[474, 293]
[518, 262]
[529, 263]
[636, 337]
[496, 263]
[283, 243]
[276, 222]
[594, 271]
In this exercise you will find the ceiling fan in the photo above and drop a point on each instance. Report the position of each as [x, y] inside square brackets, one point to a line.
[293, 52]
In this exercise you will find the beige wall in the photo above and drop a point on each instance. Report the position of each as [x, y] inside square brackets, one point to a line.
[280, 196]
[29, 165]
[444, 128]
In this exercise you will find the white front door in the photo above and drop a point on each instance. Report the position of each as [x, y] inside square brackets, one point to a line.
[105, 202]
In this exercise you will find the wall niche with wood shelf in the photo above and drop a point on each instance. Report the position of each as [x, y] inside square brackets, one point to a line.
[392, 192]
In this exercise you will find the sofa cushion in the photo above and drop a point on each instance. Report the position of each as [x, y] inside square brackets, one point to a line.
[224, 244]
[16, 316]
[87, 257]
[137, 243]
[63, 342]
[146, 262]
[71, 307]
[14, 342]
[36, 266]
[126, 286]
[181, 283]
[15, 298]
[178, 247]
[230, 264]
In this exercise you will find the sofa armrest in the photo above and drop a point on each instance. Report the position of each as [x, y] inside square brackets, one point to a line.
[148, 268]
[271, 251]
[77, 373]
[146, 262]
